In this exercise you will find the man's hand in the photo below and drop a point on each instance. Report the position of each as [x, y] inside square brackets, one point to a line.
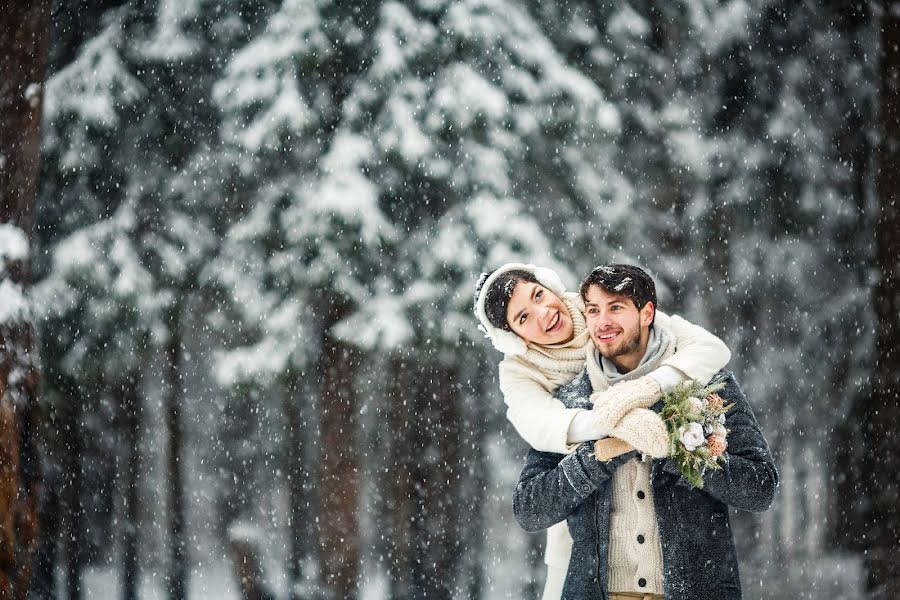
[608, 448]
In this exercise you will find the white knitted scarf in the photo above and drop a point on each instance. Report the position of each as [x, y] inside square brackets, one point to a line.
[560, 363]
[603, 374]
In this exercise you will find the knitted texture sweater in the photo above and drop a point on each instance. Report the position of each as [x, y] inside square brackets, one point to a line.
[635, 555]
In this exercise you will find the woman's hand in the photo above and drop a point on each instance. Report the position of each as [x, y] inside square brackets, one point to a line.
[611, 405]
[643, 430]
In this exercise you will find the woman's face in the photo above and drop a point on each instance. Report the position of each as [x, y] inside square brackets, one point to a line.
[538, 316]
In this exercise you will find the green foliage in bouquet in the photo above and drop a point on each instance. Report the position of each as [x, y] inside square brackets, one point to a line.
[695, 419]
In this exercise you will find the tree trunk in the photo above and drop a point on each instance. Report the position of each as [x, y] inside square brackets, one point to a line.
[72, 494]
[882, 445]
[248, 571]
[177, 570]
[339, 481]
[132, 409]
[43, 579]
[434, 487]
[301, 536]
[24, 35]
[475, 423]
[399, 505]
[423, 485]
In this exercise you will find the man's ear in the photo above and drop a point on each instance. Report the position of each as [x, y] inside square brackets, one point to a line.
[647, 314]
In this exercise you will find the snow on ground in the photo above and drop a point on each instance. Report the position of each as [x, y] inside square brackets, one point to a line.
[828, 576]
[213, 581]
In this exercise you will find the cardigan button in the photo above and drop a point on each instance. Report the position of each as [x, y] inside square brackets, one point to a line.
[640, 539]
[642, 582]
[585, 488]
[641, 495]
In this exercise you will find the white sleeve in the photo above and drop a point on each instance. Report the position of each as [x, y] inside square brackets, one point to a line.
[698, 353]
[541, 420]
[667, 377]
[585, 427]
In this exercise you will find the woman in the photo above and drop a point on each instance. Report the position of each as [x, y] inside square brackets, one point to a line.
[528, 315]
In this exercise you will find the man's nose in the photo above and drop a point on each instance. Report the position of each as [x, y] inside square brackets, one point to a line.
[601, 320]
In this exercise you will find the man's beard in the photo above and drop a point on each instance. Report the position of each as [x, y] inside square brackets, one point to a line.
[633, 343]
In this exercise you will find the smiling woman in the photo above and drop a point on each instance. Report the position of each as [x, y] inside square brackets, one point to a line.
[517, 302]
[537, 315]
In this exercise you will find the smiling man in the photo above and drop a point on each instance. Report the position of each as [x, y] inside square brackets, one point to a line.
[620, 306]
[639, 529]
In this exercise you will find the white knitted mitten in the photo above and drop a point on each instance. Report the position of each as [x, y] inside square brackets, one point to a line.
[645, 431]
[611, 405]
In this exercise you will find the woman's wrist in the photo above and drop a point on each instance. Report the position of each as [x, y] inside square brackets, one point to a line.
[668, 377]
[585, 427]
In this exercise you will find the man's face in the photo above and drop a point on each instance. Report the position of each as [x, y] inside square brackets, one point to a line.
[619, 330]
[537, 315]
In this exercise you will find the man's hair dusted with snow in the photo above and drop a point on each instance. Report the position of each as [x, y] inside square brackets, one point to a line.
[496, 300]
[622, 280]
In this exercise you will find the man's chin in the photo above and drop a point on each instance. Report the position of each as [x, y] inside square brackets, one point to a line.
[616, 351]
[607, 352]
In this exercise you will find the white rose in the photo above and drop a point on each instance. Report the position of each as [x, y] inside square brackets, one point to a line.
[721, 419]
[692, 436]
[695, 406]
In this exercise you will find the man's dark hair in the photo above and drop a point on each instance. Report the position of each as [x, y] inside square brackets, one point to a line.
[496, 300]
[622, 280]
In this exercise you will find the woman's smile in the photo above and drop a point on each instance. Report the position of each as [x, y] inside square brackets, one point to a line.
[538, 316]
[556, 323]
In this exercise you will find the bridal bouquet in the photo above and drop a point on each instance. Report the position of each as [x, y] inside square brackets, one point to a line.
[695, 419]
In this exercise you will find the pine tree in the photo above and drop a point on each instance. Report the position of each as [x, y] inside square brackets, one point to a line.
[24, 34]
[880, 458]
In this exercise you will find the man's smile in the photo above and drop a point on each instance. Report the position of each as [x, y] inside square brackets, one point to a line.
[608, 336]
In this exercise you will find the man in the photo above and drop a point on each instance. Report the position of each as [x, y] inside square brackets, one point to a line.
[639, 530]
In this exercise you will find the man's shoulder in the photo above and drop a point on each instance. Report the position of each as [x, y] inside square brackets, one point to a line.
[727, 377]
[575, 393]
[732, 391]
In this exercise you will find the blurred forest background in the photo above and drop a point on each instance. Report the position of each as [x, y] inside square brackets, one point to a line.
[239, 355]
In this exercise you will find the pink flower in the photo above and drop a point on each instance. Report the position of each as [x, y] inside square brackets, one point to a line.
[717, 445]
[715, 401]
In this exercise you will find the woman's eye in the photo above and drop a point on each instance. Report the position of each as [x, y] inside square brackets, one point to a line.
[522, 319]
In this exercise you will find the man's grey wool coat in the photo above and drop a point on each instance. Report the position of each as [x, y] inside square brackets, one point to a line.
[699, 559]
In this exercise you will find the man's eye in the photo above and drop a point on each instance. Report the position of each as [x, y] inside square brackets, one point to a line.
[539, 294]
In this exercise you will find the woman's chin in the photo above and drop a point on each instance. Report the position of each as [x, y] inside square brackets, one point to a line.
[562, 336]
